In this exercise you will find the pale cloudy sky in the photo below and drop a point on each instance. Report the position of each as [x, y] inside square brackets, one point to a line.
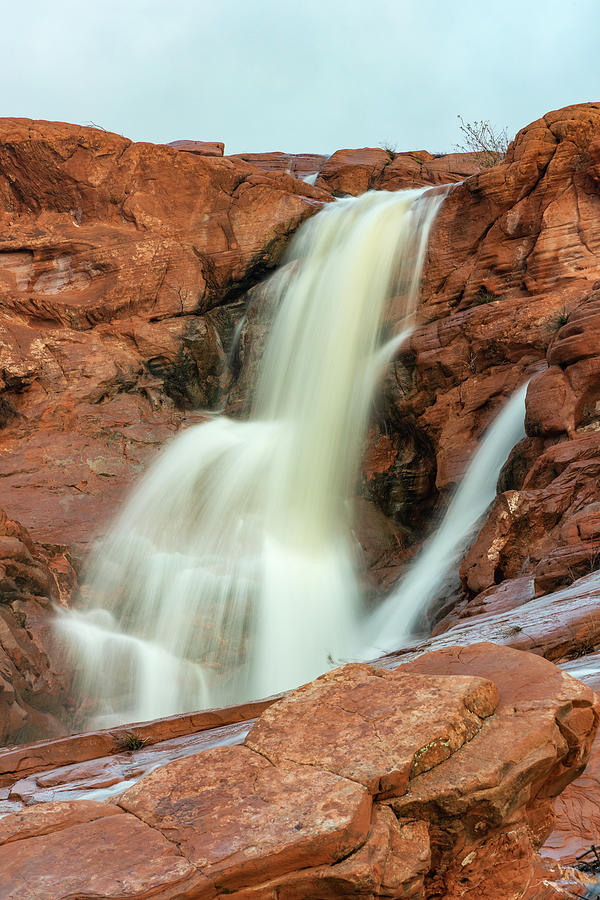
[313, 75]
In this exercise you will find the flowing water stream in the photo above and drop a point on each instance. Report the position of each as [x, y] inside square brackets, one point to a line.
[393, 621]
[231, 573]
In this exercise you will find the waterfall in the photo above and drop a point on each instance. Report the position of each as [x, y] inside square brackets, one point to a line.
[393, 621]
[231, 572]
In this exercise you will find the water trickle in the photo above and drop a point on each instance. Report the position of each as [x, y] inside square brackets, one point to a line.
[393, 621]
[231, 572]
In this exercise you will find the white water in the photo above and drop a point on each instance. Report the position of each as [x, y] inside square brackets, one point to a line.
[231, 573]
[393, 622]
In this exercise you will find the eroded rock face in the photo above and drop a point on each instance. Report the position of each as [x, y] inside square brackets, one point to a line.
[120, 266]
[387, 728]
[508, 295]
[549, 525]
[121, 269]
[299, 813]
[352, 172]
[202, 148]
[300, 165]
[34, 699]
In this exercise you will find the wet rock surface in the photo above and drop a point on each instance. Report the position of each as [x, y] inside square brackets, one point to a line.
[508, 294]
[232, 821]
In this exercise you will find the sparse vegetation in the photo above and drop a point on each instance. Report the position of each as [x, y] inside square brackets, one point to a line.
[484, 296]
[131, 741]
[390, 149]
[557, 320]
[590, 563]
[583, 648]
[512, 630]
[481, 137]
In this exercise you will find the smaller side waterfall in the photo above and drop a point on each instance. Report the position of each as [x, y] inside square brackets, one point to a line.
[393, 621]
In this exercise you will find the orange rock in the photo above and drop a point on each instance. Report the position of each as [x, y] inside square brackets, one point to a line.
[391, 863]
[372, 168]
[230, 822]
[44, 818]
[33, 697]
[471, 796]
[116, 262]
[113, 857]
[387, 727]
[202, 148]
[241, 820]
[297, 164]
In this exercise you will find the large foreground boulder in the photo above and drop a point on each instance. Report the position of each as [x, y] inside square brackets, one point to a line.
[435, 779]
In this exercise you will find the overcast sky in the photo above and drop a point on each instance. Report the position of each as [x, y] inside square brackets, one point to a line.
[313, 75]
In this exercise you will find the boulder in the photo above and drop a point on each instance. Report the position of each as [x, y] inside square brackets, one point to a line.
[305, 811]
[387, 727]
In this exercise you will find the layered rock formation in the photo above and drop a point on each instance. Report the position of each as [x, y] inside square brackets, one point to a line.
[513, 260]
[124, 271]
[34, 696]
[433, 785]
[121, 266]
[300, 165]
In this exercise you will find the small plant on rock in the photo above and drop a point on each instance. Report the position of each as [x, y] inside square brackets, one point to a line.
[512, 630]
[131, 741]
[557, 320]
[481, 137]
[484, 296]
[390, 149]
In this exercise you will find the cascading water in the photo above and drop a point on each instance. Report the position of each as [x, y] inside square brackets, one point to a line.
[393, 621]
[231, 573]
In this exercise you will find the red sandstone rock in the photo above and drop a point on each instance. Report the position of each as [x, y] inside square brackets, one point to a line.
[387, 728]
[471, 796]
[230, 822]
[114, 260]
[550, 528]
[300, 165]
[202, 148]
[20, 763]
[353, 171]
[112, 857]
[44, 818]
[391, 863]
[33, 697]
[241, 820]
[372, 168]
[512, 253]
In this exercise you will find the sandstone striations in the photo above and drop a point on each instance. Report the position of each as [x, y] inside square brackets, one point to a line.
[121, 266]
[34, 696]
